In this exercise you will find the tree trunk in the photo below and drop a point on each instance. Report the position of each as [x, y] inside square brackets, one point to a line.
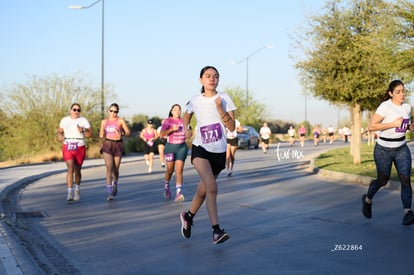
[351, 112]
[356, 134]
[371, 135]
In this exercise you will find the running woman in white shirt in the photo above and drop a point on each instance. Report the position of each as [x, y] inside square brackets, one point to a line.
[265, 134]
[232, 145]
[291, 133]
[392, 119]
[214, 112]
[72, 132]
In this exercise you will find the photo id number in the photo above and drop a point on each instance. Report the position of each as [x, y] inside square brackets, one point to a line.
[347, 247]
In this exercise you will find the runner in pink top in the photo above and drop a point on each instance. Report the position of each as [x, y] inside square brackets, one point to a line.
[149, 135]
[175, 151]
[112, 129]
[302, 135]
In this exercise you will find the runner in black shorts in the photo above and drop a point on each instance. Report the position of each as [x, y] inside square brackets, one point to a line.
[214, 113]
[232, 145]
[161, 141]
[217, 160]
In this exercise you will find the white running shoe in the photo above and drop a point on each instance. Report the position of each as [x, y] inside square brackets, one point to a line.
[179, 197]
[110, 197]
[70, 196]
[77, 195]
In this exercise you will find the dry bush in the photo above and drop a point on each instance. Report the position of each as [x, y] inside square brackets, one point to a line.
[93, 151]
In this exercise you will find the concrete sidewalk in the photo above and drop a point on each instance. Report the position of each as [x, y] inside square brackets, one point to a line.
[14, 177]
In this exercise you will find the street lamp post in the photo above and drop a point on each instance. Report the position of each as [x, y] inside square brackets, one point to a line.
[247, 67]
[102, 51]
[306, 107]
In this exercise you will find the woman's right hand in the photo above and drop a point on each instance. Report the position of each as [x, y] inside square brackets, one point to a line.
[60, 137]
[174, 128]
[398, 122]
[188, 133]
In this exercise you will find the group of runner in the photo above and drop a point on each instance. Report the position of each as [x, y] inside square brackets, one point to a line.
[214, 145]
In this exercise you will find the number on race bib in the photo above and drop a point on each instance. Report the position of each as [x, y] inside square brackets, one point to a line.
[211, 133]
[169, 157]
[72, 146]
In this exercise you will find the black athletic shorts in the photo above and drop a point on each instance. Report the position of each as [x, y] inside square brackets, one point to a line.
[161, 141]
[265, 140]
[217, 160]
[233, 141]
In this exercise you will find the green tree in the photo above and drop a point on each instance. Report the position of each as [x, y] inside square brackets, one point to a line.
[35, 108]
[350, 54]
[3, 133]
[138, 122]
[405, 12]
[249, 111]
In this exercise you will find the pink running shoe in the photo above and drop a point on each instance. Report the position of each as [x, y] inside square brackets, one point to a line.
[179, 197]
[167, 193]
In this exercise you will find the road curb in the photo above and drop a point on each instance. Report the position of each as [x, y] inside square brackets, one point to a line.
[350, 178]
[14, 257]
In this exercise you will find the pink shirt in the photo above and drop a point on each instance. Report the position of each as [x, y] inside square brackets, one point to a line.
[112, 129]
[149, 135]
[176, 137]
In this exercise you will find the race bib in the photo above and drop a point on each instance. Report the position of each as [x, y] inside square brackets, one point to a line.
[404, 126]
[211, 133]
[71, 146]
[169, 157]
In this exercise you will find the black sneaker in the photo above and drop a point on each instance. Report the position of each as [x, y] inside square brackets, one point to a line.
[366, 208]
[408, 218]
[219, 236]
[186, 223]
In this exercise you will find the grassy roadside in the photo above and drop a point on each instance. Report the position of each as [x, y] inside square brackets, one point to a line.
[91, 152]
[340, 160]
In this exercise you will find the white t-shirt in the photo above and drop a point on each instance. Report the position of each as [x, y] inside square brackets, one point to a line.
[210, 132]
[233, 134]
[71, 131]
[346, 131]
[265, 132]
[390, 112]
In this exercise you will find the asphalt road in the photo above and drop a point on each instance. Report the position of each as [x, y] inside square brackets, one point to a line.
[281, 220]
